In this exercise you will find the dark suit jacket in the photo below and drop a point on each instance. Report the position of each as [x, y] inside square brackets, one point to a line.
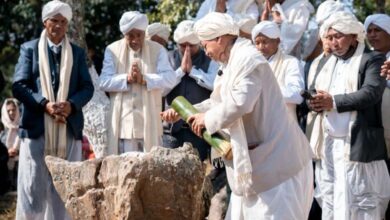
[367, 137]
[26, 88]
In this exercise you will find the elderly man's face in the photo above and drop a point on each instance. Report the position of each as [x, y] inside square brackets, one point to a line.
[135, 38]
[339, 42]
[267, 46]
[56, 28]
[378, 38]
[194, 48]
[214, 49]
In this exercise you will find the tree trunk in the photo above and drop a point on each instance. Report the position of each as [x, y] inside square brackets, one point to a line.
[76, 31]
[380, 6]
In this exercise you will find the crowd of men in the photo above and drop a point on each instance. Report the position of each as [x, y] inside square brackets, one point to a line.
[285, 106]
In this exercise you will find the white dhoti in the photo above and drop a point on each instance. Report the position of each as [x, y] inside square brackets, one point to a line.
[291, 200]
[37, 197]
[347, 189]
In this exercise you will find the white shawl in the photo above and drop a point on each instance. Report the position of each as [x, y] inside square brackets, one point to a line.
[55, 133]
[12, 140]
[323, 82]
[151, 99]
[241, 63]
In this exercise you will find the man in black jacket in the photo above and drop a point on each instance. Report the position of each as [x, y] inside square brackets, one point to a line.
[347, 136]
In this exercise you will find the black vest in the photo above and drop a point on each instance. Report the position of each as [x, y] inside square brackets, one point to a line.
[188, 86]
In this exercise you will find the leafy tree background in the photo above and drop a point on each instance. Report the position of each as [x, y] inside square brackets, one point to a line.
[20, 21]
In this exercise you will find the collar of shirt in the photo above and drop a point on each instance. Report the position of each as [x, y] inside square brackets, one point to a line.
[51, 44]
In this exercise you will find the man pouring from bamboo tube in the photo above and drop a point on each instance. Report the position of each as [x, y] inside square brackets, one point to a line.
[271, 164]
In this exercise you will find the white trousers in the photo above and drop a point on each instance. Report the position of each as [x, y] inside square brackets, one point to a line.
[37, 198]
[348, 190]
[290, 200]
[130, 145]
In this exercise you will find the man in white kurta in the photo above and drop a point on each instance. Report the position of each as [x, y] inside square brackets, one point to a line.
[352, 181]
[271, 172]
[293, 17]
[159, 33]
[232, 7]
[286, 68]
[135, 72]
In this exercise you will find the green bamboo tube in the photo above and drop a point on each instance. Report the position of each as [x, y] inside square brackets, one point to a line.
[185, 109]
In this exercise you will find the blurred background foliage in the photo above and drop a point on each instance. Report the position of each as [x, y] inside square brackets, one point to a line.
[20, 21]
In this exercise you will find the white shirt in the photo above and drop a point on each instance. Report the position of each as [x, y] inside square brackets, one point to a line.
[209, 6]
[205, 80]
[166, 79]
[293, 81]
[337, 124]
[295, 17]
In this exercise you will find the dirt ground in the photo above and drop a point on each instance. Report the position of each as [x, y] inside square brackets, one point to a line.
[8, 206]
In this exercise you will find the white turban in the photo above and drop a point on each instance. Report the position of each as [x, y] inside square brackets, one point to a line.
[55, 7]
[185, 33]
[267, 28]
[133, 20]
[327, 8]
[345, 23]
[214, 25]
[380, 20]
[245, 22]
[158, 29]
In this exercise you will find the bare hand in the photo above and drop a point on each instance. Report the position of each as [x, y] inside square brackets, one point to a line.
[169, 115]
[186, 63]
[64, 109]
[321, 101]
[266, 11]
[197, 123]
[51, 108]
[12, 152]
[385, 69]
[136, 73]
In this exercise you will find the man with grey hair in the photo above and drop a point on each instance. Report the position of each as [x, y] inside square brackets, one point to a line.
[352, 181]
[271, 166]
[136, 72]
[52, 83]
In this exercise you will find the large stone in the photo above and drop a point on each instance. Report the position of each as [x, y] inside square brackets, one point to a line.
[162, 184]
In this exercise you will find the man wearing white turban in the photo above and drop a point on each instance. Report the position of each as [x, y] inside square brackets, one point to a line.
[352, 181]
[136, 72]
[378, 35]
[231, 7]
[52, 83]
[271, 165]
[293, 17]
[286, 68]
[159, 33]
[197, 73]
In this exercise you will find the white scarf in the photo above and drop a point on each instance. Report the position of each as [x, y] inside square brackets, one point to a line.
[12, 140]
[55, 133]
[151, 99]
[241, 63]
[323, 82]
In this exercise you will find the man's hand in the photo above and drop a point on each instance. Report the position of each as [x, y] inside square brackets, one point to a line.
[64, 109]
[197, 123]
[220, 6]
[51, 108]
[385, 69]
[186, 63]
[321, 101]
[266, 11]
[169, 115]
[136, 73]
[12, 152]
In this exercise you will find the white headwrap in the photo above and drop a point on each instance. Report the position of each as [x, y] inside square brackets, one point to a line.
[215, 24]
[55, 7]
[161, 30]
[326, 8]
[185, 33]
[245, 22]
[133, 20]
[12, 125]
[380, 20]
[267, 28]
[345, 23]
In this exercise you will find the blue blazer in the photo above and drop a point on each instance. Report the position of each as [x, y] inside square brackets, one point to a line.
[26, 88]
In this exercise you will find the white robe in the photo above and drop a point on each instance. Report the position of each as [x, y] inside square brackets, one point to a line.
[249, 8]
